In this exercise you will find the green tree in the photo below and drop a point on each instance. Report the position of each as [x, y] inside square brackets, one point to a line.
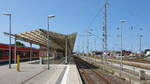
[18, 43]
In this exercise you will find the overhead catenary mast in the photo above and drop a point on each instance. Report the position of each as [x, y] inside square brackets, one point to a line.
[105, 34]
[83, 47]
[95, 44]
[87, 43]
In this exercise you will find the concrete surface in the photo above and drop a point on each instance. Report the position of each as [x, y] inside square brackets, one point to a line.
[73, 75]
[38, 74]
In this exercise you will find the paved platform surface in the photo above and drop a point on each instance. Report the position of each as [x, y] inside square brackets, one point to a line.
[38, 74]
[73, 76]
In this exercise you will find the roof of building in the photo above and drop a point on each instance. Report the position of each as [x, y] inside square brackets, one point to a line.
[39, 37]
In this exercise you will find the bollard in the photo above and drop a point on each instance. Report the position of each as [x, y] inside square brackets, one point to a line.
[41, 61]
[18, 63]
[142, 75]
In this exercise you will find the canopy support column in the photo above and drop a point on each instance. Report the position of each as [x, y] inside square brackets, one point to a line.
[15, 52]
[30, 52]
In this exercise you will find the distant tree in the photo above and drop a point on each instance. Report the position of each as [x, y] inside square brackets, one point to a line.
[145, 51]
[18, 43]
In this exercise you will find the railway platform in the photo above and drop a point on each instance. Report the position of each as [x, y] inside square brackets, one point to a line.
[39, 74]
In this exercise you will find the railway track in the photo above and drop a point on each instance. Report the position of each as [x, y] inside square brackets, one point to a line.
[89, 73]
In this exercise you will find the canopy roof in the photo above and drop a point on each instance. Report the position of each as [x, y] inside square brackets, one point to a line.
[39, 37]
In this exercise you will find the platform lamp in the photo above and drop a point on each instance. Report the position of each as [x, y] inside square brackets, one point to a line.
[48, 44]
[121, 61]
[9, 15]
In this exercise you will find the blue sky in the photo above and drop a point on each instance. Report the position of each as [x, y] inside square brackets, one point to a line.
[79, 15]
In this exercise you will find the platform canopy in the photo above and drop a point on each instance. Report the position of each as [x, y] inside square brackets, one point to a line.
[39, 37]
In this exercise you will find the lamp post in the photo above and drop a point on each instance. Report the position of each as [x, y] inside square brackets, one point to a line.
[48, 44]
[9, 15]
[121, 21]
[66, 58]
